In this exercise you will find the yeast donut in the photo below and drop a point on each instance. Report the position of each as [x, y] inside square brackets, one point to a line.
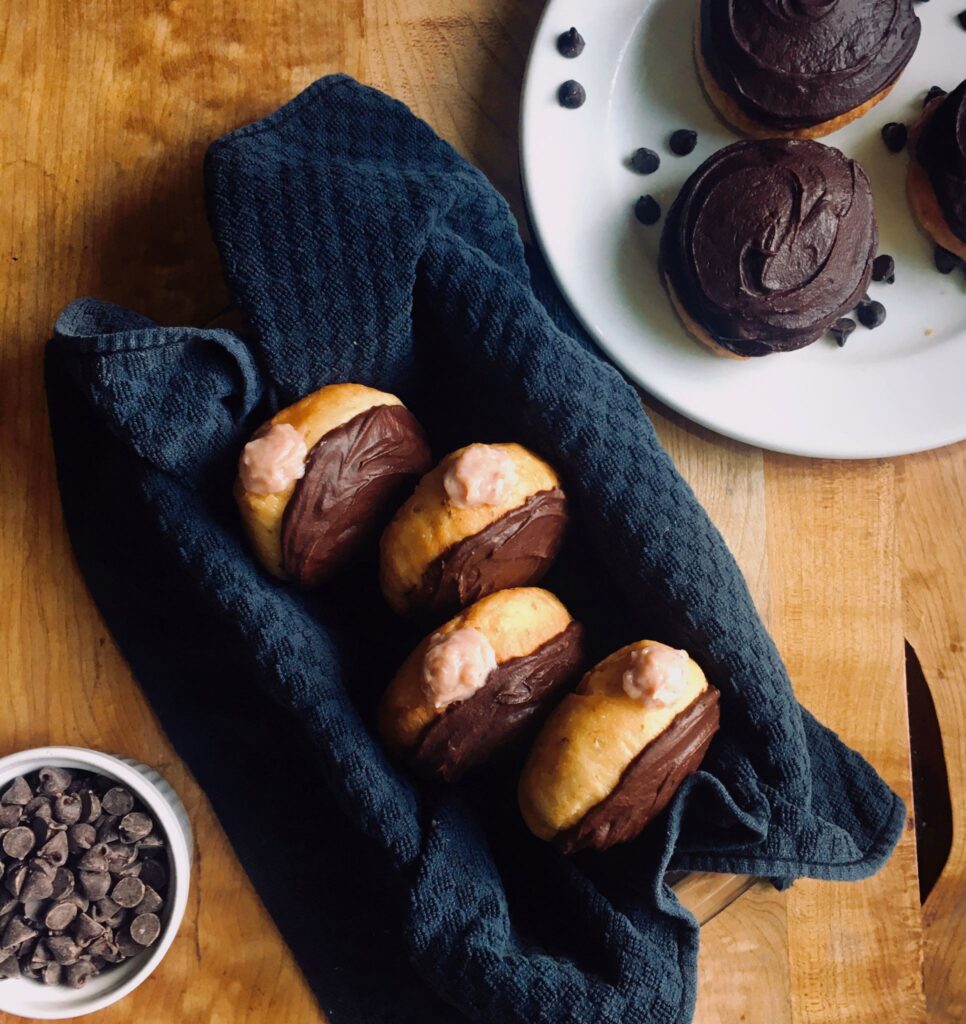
[319, 477]
[936, 182]
[801, 68]
[614, 752]
[767, 244]
[477, 681]
[488, 517]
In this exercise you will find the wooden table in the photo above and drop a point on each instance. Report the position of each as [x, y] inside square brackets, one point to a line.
[106, 111]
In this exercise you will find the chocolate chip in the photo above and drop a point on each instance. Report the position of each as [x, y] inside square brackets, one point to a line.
[63, 948]
[63, 884]
[934, 91]
[18, 792]
[894, 135]
[150, 903]
[42, 830]
[871, 314]
[67, 808]
[103, 945]
[53, 781]
[644, 161]
[80, 837]
[9, 815]
[570, 43]
[9, 968]
[94, 884]
[683, 141]
[60, 916]
[78, 974]
[151, 844]
[94, 859]
[39, 807]
[121, 856]
[884, 269]
[647, 210]
[18, 930]
[128, 892]
[38, 886]
[54, 851]
[107, 829]
[145, 928]
[14, 878]
[946, 262]
[841, 330]
[105, 911]
[18, 842]
[85, 930]
[51, 973]
[154, 873]
[134, 826]
[79, 900]
[571, 95]
[961, 18]
[90, 805]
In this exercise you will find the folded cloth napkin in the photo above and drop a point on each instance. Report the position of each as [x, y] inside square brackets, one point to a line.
[361, 247]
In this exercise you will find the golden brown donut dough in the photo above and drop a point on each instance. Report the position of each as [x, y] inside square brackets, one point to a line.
[313, 417]
[726, 107]
[922, 196]
[429, 525]
[588, 742]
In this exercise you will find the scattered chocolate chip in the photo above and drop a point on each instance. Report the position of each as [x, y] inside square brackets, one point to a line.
[51, 973]
[63, 884]
[894, 135]
[54, 851]
[134, 826]
[155, 874]
[934, 91]
[94, 859]
[961, 18]
[871, 314]
[946, 262]
[40, 807]
[683, 141]
[67, 808]
[18, 792]
[9, 967]
[94, 884]
[107, 829]
[60, 916]
[103, 945]
[78, 974]
[85, 930]
[18, 930]
[80, 837]
[18, 842]
[117, 801]
[80, 900]
[128, 892]
[63, 949]
[644, 161]
[151, 844]
[150, 903]
[145, 928]
[884, 269]
[571, 95]
[9, 815]
[647, 210]
[53, 781]
[14, 878]
[38, 886]
[841, 330]
[570, 43]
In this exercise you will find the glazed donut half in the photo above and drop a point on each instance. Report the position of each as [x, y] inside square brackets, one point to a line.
[488, 517]
[614, 752]
[319, 477]
[478, 680]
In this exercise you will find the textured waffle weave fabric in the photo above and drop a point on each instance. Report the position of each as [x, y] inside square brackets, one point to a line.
[361, 247]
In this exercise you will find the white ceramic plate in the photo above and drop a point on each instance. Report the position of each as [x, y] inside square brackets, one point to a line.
[900, 388]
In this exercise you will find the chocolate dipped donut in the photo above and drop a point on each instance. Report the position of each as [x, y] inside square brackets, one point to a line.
[936, 182]
[488, 517]
[767, 244]
[801, 68]
[318, 478]
[476, 682]
[614, 752]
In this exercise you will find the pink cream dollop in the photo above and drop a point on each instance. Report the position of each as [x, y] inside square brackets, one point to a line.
[272, 462]
[456, 665]
[481, 474]
[656, 675]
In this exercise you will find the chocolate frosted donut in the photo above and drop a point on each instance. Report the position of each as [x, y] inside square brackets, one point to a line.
[937, 171]
[615, 751]
[802, 67]
[316, 480]
[476, 683]
[767, 244]
[486, 518]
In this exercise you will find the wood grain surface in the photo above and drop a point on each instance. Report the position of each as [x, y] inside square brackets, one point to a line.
[107, 108]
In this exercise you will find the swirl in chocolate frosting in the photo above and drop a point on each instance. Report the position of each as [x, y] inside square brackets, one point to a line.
[790, 64]
[942, 152]
[770, 242]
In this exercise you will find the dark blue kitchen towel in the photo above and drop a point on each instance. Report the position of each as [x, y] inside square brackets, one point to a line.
[361, 247]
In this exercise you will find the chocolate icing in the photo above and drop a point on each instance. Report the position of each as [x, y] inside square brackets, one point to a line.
[351, 475]
[941, 150]
[467, 732]
[768, 243]
[790, 64]
[650, 780]
[514, 551]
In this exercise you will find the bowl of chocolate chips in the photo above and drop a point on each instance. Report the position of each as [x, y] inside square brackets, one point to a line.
[95, 861]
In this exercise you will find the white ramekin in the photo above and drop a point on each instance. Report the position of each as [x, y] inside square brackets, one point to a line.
[28, 998]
